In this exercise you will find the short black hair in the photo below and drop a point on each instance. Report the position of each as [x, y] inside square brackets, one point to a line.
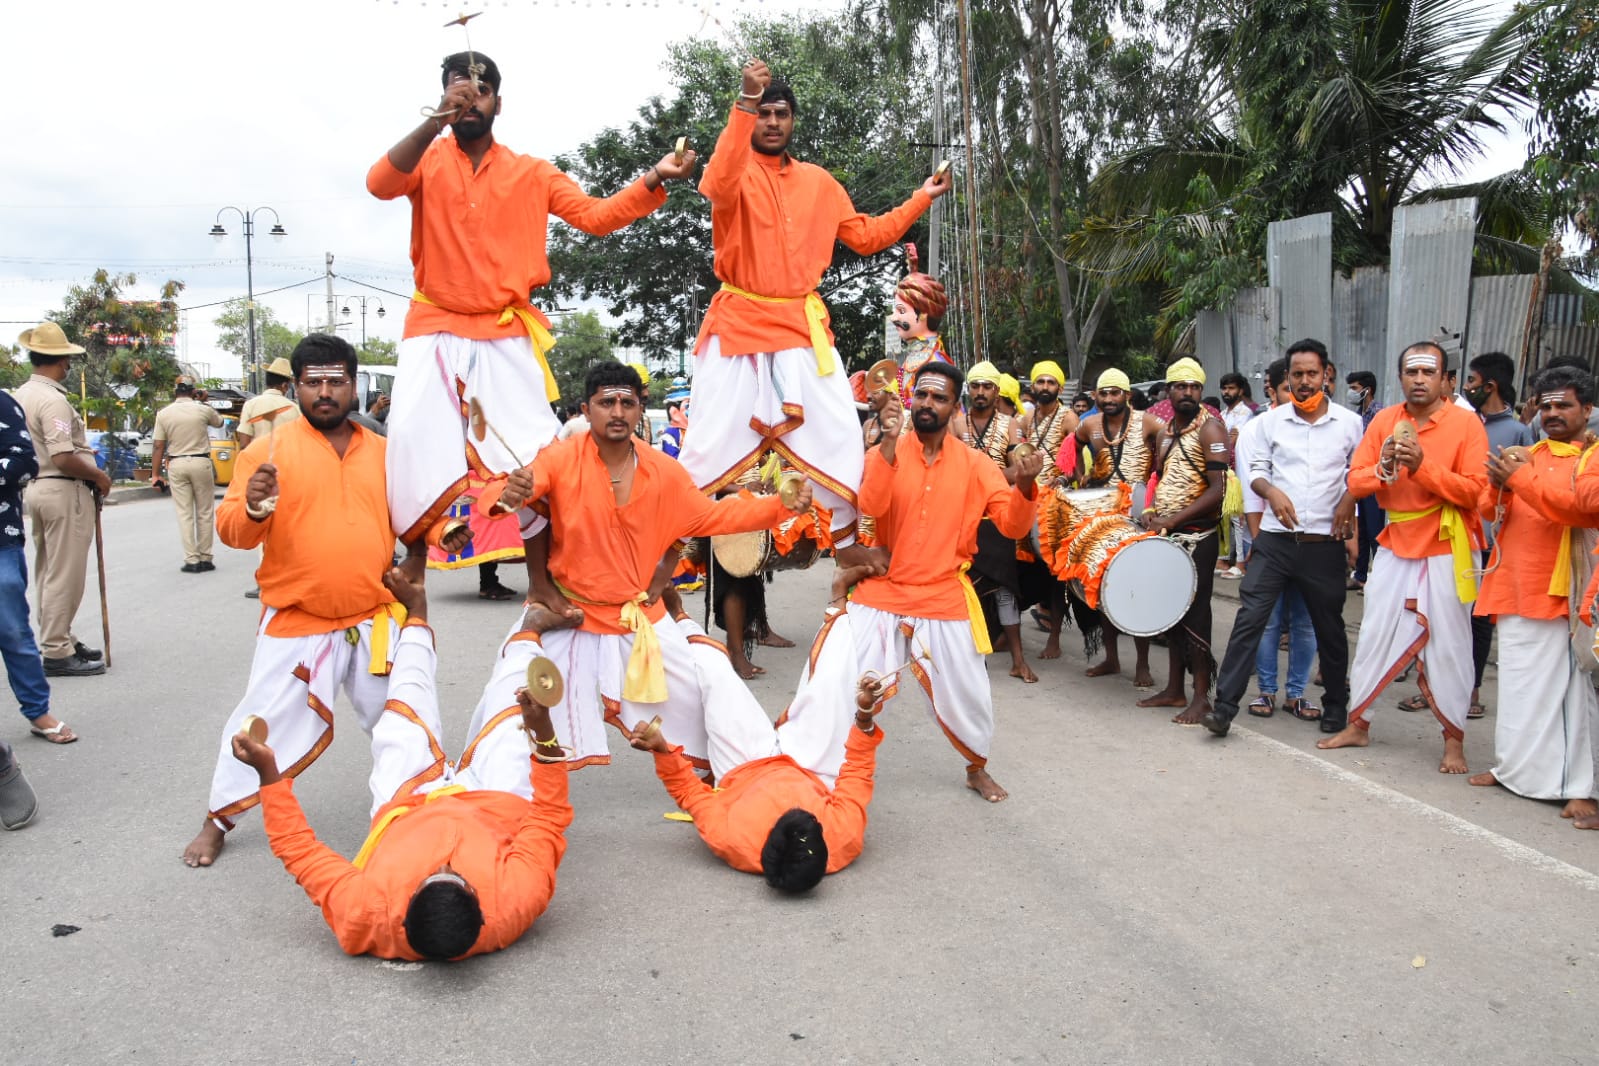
[1211, 401]
[183, 388]
[794, 857]
[1309, 344]
[460, 63]
[608, 373]
[1443, 356]
[1364, 378]
[1561, 378]
[1139, 400]
[40, 359]
[321, 349]
[443, 921]
[948, 370]
[1500, 369]
[1276, 374]
[1570, 360]
[779, 92]
[1233, 377]
[276, 379]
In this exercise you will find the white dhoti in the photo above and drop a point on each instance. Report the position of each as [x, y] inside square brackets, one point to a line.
[429, 449]
[593, 666]
[407, 757]
[293, 684]
[811, 731]
[1413, 612]
[1543, 747]
[743, 404]
[949, 675]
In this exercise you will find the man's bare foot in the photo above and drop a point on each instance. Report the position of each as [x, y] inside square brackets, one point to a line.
[1192, 714]
[773, 639]
[1023, 671]
[1351, 736]
[206, 846]
[1487, 779]
[746, 669]
[1108, 668]
[1586, 821]
[1454, 760]
[1142, 678]
[979, 782]
[1580, 809]
[546, 596]
[874, 559]
[1165, 698]
[537, 618]
[1051, 647]
[410, 592]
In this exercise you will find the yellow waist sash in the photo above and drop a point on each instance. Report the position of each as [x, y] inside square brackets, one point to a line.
[815, 317]
[382, 661]
[540, 337]
[1451, 527]
[1560, 577]
[646, 670]
[372, 838]
[974, 611]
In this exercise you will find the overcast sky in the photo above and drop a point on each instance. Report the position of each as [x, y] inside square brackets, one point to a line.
[151, 117]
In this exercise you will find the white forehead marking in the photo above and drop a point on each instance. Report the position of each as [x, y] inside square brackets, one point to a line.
[1552, 397]
[1426, 359]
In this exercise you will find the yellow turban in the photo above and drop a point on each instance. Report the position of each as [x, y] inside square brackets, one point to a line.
[1011, 389]
[1185, 370]
[1114, 379]
[1047, 368]
[642, 371]
[984, 371]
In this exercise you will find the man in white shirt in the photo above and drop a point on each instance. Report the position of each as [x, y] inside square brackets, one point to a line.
[1299, 467]
[1236, 411]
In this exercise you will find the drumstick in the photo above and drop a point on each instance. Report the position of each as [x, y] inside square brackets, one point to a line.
[925, 654]
[480, 423]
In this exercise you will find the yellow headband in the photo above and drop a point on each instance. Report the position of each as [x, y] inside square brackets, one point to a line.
[1114, 379]
[1185, 370]
[1047, 368]
[984, 371]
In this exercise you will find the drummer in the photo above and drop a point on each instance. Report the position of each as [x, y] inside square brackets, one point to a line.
[1191, 456]
[1121, 445]
[1044, 426]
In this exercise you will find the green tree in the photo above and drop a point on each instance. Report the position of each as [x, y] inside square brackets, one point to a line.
[581, 340]
[126, 342]
[859, 114]
[14, 366]
[380, 352]
[1564, 153]
[273, 339]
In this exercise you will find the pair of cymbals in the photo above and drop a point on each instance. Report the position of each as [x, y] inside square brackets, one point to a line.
[882, 376]
[544, 683]
[1022, 451]
[789, 487]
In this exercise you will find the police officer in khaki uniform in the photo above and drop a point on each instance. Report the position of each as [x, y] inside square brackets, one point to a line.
[61, 500]
[271, 410]
[183, 444]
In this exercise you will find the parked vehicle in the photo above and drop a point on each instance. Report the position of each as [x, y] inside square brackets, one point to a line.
[115, 453]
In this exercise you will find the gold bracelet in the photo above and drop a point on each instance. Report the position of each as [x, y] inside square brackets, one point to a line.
[553, 742]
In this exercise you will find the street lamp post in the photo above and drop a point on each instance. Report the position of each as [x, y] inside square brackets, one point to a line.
[252, 360]
[345, 311]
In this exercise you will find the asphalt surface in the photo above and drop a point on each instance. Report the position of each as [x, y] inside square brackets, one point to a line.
[1147, 894]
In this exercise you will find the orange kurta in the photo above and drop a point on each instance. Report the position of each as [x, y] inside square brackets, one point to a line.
[605, 555]
[328, 543]
[927, 518]
[478, 238]
[1453, 445]
[773, 224]
[735, 818]
[505, 847]
[1538, 512]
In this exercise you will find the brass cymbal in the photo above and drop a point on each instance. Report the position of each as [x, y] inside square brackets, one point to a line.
[882, 375]
[789, 486]
[255, 727]
[679, 148]
[544, 683]
[943, 168]
[1022, 451]
[1404, 430]
[652, 727]
[480, 425]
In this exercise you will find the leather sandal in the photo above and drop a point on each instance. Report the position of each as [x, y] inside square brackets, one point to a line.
[1263, 705]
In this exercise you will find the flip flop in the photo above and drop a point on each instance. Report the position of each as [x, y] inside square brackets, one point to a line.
[1263, 700]
[1303, 710]
[1477, 711]
[1418, 702]
[60, 733]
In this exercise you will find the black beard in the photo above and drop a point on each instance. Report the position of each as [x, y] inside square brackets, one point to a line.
[980, 403]
[1046, 398]
[1189, 408]
[926, 420]
[326, 422]
[1112, 412]
[472, 126]
[763, 150]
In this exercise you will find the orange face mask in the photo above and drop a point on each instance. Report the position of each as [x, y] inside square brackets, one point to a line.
[1309, 406]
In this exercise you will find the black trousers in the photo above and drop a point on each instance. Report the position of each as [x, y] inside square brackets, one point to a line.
[1317, 571]
[1482, 636]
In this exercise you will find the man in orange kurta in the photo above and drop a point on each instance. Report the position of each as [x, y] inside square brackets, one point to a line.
[766, 373]
[1543, 732]
[922, 620]
[479, 220]
[1418, 600]
[319, 513]
[790, 800]
[460, 860]
[615, 506]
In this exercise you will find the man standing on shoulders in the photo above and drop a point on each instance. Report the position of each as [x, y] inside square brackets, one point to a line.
[1299, 465]
[1428, 477]
[272, 409]
[182, 459]
[62, 500]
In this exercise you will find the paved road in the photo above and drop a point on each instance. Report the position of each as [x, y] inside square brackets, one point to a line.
[1148, 894]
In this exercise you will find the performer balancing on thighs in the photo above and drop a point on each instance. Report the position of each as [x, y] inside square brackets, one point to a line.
[790, 801]
[1423, 459]
[479, 218]
[767, 376]
[928, 492]
[616, 506]
[1192, 460]
[1544, 729]
[460, 860]
[318, 513]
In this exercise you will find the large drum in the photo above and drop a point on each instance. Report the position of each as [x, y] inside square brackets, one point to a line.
[1064, 511]
[1141, 582]
[748, 554]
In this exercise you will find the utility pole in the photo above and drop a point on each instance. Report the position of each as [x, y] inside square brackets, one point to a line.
[329, 280]
[971, 184]
[935, 217]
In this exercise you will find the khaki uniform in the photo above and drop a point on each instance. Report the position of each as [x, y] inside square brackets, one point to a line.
[61, 508]
[182, 424]
[265, 413]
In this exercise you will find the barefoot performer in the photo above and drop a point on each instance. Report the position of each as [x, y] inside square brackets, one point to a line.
[1044, 427]
[460, 861]
[616, 507]
[1543, 733]
[1121, 451]
[767, 375]
[479, 217]
[928, 493]
[319, 514]
[790, 800]
[1428, 476]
